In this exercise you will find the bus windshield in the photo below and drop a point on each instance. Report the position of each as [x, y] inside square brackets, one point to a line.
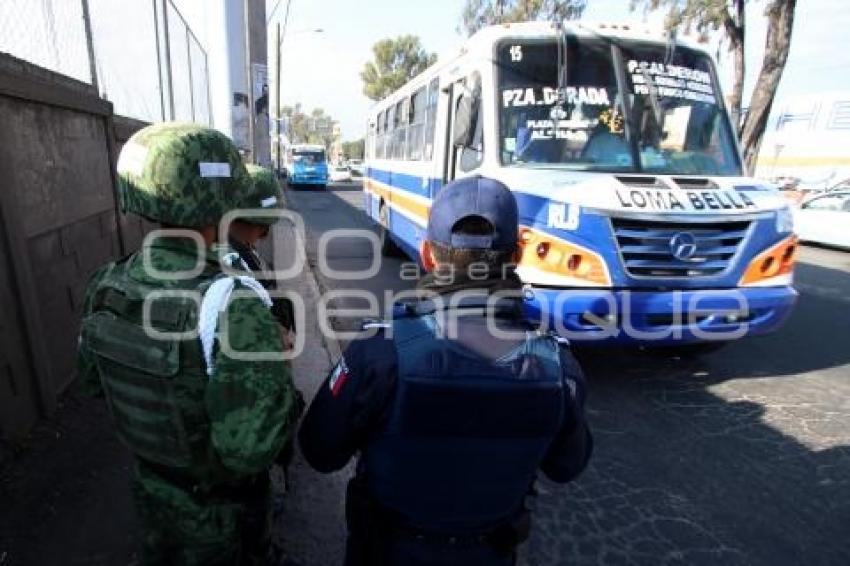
[308, 156]
[674, 123]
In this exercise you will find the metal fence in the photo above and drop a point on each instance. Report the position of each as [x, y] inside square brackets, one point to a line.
[141, 54]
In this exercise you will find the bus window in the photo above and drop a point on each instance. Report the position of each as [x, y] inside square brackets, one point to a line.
[677, 123]
[587, 132]
[379, 136]
[400, 129]
[390, 128]
[416, 130]
[431, 117]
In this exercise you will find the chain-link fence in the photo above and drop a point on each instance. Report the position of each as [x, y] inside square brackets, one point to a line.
[146, 59]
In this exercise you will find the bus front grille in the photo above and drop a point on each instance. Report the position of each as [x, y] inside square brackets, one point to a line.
[676, 249]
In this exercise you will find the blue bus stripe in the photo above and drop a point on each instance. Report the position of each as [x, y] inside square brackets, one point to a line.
[406, 182]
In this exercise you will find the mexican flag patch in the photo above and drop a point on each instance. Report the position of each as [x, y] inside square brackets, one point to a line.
[338, 377]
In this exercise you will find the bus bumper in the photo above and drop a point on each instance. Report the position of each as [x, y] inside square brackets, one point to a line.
[311, 180]
[659, 318]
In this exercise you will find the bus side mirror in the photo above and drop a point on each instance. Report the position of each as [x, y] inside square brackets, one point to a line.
[464, 128]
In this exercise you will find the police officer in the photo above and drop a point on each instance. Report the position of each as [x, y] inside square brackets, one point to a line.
[454, 405]
[246, 232]
[187, 373]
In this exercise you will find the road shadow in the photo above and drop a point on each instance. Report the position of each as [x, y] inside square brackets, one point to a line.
[738, 457]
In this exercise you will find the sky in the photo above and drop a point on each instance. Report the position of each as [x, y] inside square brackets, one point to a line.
[323, 69]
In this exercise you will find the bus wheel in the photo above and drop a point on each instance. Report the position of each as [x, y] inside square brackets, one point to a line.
[388, 247]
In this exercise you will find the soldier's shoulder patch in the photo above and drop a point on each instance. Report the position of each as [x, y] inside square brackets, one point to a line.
[338, 378]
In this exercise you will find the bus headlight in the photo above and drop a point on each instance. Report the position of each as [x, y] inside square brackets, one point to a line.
[776, 261]
[550, 260]
[784, 221]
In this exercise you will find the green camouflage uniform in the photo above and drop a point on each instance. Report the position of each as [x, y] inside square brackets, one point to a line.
[266, 194]
[204, 440]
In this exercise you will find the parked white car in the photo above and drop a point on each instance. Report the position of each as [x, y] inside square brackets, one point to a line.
[825, 219]
[340, 174]
[356, 167]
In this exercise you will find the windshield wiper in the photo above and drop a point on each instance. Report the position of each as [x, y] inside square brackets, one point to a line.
[559, 112]
[653, 99]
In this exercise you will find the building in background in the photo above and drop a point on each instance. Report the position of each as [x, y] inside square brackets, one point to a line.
[335, 149]
[807, 141]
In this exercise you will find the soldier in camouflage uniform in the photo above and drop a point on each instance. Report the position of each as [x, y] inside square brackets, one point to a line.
[204, 418]
[247, 231]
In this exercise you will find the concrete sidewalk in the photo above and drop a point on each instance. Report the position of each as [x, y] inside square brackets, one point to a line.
[311, 526]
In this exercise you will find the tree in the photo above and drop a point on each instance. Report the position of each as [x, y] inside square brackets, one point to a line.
[780, 23]
[354, 149]
[728, 18]
[315, 127]
[396, 62]
[480, 13]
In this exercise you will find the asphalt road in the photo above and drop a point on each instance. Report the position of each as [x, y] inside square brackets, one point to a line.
[738, 457]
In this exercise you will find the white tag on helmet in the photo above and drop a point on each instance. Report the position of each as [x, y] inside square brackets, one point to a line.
[214, 169]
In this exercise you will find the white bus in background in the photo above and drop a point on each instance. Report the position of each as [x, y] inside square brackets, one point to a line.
[808, 139]
[637, 221]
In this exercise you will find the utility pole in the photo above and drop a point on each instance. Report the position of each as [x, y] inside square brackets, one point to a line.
[256, 57]
[167, 57]
[90, 46]
[277, 115]
[252, 111]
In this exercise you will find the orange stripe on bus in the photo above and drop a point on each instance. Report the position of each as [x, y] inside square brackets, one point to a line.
[399, 200]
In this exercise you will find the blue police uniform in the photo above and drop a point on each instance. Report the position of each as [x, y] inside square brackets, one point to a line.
[451, 419]
[451, 433]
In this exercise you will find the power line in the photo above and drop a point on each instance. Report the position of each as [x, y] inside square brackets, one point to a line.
[285, 20]
[271, 15]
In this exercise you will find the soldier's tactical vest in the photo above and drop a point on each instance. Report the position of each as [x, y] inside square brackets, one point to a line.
[154, 386]
[465, 436]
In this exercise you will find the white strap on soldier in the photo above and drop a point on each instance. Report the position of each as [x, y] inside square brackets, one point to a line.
[214, 303]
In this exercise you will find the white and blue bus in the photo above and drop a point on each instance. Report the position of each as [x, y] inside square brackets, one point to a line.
[306, 165]
[637, 222]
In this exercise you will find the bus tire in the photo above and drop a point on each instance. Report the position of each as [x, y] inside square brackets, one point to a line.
[388, 247]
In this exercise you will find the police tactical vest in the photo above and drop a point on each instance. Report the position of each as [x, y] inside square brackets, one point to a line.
[154, 385]
[465, 435]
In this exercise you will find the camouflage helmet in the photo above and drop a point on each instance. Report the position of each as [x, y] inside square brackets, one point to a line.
[181, 174]
[265, 193]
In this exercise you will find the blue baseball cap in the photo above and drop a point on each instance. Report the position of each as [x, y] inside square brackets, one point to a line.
[474, 196]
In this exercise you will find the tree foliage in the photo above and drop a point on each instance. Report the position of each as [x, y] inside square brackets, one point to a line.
[395, 62]
[728, 17]
[480, 13]
[313, 127]
[354, 149]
